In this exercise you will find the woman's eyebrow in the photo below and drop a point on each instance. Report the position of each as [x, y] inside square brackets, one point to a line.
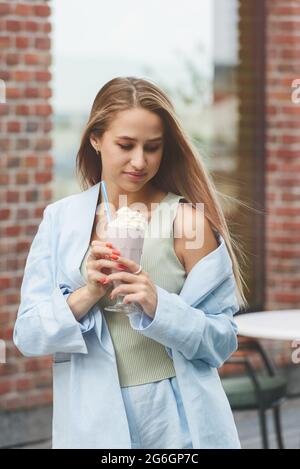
[156, 139]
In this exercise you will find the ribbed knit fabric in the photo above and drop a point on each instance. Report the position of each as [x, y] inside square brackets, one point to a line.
[141, 360]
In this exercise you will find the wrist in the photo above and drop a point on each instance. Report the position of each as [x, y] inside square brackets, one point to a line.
[90, 295]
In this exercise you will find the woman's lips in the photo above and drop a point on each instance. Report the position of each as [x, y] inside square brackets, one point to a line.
[135, 176]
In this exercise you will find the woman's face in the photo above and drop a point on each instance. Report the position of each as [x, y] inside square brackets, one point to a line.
[132, 143]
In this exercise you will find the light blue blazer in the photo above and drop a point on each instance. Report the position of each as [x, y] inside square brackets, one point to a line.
[196, 327]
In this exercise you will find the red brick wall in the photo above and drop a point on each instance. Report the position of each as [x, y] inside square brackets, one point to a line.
[282, 156]
[25, 174]
[269, 154]
[269, 150]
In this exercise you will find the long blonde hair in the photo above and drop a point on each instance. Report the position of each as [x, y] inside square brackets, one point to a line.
[181, 170]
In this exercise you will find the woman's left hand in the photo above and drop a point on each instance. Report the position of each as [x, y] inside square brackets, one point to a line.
[139, 287]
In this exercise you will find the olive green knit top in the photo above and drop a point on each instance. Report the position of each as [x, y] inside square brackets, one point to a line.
[141, 360]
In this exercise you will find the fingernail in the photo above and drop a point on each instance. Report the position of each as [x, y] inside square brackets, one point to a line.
[114, 257]
[121, 266]
[116, 252]
[104, 281]
[109, 245]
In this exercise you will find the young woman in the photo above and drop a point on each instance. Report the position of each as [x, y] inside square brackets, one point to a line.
[147, 380]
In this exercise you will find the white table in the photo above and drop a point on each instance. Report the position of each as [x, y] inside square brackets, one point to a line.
[278, 325]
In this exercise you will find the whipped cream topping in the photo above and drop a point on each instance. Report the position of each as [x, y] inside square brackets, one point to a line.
[126, 217]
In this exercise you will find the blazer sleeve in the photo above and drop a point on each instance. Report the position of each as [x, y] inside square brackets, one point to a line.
[206, 332]
[45, 323]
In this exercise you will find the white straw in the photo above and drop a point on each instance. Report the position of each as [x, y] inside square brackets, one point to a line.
[106, 203]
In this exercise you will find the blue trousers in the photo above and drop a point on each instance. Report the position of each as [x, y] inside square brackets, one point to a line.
[156, 415]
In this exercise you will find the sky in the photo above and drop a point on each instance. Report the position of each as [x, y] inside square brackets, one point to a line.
[94, 43]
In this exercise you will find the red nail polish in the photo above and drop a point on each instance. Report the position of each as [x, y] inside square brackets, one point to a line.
[109, 245]
[122, 266]
[115, 251]
[114, 257]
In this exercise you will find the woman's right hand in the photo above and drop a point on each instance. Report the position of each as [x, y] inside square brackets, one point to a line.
[99, 264]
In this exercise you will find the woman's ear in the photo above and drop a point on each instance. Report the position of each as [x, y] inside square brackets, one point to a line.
[93, 141]
[96, 143]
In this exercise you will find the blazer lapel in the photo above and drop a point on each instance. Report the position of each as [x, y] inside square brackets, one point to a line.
[80, 216]
[79, 219]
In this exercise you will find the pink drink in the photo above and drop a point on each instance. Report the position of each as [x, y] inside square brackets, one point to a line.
[128, 240]
[126, 233]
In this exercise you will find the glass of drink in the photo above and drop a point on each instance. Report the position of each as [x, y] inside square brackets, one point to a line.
[126, 233]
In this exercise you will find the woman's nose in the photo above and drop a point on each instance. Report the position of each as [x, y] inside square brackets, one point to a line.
[138, 160]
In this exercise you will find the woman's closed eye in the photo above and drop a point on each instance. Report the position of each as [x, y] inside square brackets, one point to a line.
[129, 147]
